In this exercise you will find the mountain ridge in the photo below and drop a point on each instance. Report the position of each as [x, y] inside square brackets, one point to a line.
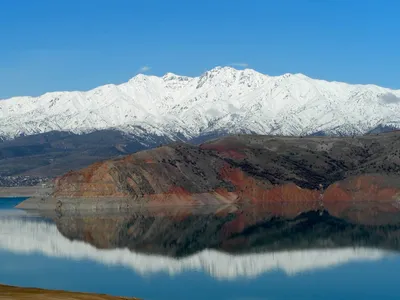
[237, 169]
[223, 99]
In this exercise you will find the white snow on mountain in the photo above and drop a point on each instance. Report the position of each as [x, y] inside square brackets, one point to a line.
[220, 100]
[24, 236]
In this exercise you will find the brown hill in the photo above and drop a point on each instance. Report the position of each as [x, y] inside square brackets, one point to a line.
[245, 168]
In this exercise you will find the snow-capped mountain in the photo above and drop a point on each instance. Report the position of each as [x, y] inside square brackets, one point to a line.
[221, 100]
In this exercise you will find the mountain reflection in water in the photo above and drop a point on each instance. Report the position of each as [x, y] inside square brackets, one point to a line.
[226, 250]
[225, 243]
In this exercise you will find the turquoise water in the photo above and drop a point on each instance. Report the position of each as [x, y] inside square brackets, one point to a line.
[9, 203]
[193, 259]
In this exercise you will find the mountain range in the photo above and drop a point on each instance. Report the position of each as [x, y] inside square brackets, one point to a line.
[48, 135]
[222, 100]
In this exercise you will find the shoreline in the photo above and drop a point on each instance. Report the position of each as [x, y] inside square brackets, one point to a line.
[8, 292]
[22, 191]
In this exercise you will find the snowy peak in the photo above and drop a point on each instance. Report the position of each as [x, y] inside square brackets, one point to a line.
[172, 76]
[222, 99]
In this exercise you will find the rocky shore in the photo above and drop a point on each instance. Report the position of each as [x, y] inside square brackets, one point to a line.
[19, 293]
[25, 191]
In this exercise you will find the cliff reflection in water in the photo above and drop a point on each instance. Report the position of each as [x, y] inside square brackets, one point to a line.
[226, 242]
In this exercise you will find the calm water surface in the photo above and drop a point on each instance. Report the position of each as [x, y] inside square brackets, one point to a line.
[257, 253]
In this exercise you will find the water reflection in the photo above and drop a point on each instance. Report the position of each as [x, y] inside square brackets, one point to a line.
[273, 252]
[224, 243]
[185, 231]
[24, 236]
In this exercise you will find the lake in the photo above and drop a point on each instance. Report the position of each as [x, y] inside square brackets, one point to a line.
[345, 251]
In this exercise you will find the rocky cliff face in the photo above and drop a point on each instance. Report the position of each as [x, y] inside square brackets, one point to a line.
[246, 168]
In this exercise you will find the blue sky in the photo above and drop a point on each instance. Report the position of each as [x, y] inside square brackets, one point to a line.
[49, 45]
